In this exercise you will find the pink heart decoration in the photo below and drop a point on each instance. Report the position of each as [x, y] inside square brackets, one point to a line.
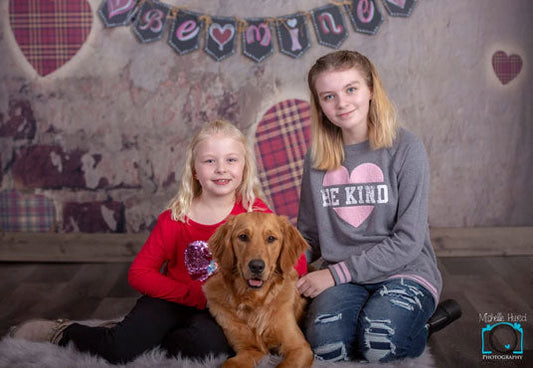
[116, 7]
[292, 22]
[220, 34]
[364, 173]
[506, 67]
[49, 33]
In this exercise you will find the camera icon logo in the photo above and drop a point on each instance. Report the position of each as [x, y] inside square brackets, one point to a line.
[503, 338]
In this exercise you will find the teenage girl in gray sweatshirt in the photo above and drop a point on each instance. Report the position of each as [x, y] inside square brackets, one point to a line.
[364, 210]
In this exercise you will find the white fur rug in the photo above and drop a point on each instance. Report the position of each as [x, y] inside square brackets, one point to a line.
[16, 353]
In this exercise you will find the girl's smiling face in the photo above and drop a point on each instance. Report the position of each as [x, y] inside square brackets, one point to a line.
[219, 165]
[344, 98]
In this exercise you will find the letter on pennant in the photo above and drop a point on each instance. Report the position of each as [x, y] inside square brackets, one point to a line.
[151, 21]
[365, 16]
[329, 26]
[257, 40]
[292, 35]
[185, 32]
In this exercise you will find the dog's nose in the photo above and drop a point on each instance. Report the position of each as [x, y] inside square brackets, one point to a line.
[256, 265]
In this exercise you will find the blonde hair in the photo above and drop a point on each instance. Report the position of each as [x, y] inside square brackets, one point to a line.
[190, 188]
[327, 148]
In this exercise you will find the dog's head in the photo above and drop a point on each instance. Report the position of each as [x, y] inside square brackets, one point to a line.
[256, 246]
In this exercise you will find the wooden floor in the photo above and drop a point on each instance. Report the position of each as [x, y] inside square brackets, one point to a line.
[489, 285]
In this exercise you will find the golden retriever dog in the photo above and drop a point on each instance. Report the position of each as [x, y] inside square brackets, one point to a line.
[253, 294]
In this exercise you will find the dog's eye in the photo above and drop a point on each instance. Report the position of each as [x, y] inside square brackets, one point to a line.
[243, 237]
[271, 239]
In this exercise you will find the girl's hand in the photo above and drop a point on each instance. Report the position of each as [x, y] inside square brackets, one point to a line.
[312, 284]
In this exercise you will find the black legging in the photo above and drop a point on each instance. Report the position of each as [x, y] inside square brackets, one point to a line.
[152, 322]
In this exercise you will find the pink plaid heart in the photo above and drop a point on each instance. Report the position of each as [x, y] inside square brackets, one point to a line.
[49, 33]
[506, 67]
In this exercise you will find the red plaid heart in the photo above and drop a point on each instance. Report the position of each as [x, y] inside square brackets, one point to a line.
[281, 141]
[49, 33]
[506, 67]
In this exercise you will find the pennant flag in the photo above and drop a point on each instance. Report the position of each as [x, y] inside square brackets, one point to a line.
[151, 21]
[185, 32]
[365, 16]
[220, 38]
[292, 35]
[257, 41]
[399, 8]
[329, 26]
[116, 12]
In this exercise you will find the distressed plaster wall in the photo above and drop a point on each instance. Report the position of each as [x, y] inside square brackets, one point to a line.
[103, 137]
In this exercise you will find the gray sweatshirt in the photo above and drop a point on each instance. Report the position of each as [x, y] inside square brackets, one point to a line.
[369, 218]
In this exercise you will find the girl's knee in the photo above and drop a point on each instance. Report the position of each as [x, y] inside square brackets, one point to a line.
[380, 341]
[328, 336]
[376, 340]
[332, 351]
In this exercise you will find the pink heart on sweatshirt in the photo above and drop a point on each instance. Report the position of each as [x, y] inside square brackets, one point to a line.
[364, 173]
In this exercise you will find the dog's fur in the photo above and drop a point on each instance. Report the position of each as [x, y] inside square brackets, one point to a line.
[253, 295]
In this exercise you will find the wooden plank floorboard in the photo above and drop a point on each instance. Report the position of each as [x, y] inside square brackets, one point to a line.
[447, 341]
[101, 291]
[92, 247]
[482, 285]
[517, 273]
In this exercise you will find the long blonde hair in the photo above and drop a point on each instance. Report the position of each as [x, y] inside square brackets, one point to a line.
[190, 188]
[327, 148]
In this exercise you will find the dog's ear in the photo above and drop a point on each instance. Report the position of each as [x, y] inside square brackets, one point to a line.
[293, 245]
[220, 244]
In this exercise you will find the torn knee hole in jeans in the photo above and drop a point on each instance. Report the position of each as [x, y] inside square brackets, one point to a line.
[328, 318]
[377, 339]
[406, 299]
[332, 352]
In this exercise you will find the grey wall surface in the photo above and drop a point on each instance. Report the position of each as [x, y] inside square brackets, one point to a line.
[112, 123]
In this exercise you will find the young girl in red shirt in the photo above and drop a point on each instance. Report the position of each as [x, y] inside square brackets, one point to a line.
[219, 179]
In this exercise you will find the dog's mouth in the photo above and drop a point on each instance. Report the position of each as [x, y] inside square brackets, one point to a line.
[255, 283]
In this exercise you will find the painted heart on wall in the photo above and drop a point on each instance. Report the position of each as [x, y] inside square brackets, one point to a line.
[506, 67]
[49, 33]
[281, 141]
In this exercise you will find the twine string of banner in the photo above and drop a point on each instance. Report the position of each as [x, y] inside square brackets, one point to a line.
[341, 3]
[241, 23]
[206, 19]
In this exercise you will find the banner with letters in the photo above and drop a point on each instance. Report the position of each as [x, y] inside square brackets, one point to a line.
[150, 19]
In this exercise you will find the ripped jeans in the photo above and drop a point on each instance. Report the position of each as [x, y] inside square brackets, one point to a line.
[374, 322]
